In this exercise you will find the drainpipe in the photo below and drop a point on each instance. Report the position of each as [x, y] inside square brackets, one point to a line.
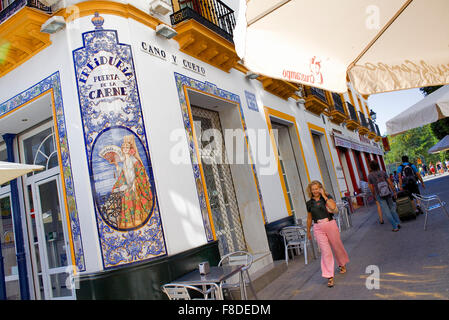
[18, 233]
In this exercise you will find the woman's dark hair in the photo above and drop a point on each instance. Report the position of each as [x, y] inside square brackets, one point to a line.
[374, 166]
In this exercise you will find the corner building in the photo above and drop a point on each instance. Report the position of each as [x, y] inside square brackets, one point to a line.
[160, 152]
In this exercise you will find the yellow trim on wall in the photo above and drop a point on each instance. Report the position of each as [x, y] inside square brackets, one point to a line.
[200, 165]
[199, 159]
[88, 8]
[61, 168]
[278, 114]
[313, 127]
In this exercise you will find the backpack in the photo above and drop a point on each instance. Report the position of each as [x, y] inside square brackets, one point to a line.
[383, 188]
[408, 175]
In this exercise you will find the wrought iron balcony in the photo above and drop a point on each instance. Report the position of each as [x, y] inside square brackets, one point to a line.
[19, 4]
[316, 101]
[377, 130]
[363, 129]
[337, 111]
[352, 113]
[363, 121]
[372, 130]
[338, 103]
[353, 122]
[213, 14]
[319, 93]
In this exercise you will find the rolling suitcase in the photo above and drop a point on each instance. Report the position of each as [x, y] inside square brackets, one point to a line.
[404, 207]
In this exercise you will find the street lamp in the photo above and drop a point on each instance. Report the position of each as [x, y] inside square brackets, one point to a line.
[373, 115]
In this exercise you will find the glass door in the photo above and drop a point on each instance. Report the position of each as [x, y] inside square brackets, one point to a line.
[8, 245]
[52, 238]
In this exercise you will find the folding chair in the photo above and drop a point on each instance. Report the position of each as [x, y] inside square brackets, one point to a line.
[429, 203]
[295, 238]
[177, 291]
[239, 258]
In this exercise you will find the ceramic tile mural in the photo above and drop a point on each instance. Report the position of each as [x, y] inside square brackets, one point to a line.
[52, 85]
[122, 182]
[183, 81]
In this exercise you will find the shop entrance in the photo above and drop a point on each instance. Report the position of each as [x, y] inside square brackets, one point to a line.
[46, 217]
[218, 179]
[290, 170]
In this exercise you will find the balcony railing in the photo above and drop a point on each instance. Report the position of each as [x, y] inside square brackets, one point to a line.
[213, 14]
[319, 93]
[371, 126]
[338, 103]
[363, 121]
[352, 112]
[377, 130]
[19, 4]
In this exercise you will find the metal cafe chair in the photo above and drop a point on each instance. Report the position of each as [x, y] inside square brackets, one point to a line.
[429, 203]
[177, 291]
[239, 258]
[343, 214]
[295, 237]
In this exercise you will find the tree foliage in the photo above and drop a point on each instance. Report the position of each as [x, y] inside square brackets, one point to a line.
[414, 143]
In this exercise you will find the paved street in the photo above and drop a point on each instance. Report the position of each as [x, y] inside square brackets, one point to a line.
[413, 263]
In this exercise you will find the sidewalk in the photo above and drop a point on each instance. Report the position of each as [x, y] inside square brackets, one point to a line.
[413, 263]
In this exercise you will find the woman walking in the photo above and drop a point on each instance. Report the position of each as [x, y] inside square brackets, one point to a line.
[325, 230]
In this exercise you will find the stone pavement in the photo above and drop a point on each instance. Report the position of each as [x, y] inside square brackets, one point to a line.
[413, 263]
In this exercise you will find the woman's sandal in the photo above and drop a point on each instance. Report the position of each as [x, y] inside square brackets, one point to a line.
[330, 282]
[342, 269]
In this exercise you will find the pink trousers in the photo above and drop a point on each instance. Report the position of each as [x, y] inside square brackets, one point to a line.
[327, 236]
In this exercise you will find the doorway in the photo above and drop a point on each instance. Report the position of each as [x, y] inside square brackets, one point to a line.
[46, 216]
[219, 181]
[290, 172]
[322, 163]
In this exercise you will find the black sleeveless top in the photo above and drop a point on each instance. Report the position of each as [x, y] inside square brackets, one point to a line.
[318, 209]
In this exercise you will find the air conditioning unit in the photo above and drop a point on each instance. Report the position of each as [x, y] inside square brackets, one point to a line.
[49, 3]
[160, 7]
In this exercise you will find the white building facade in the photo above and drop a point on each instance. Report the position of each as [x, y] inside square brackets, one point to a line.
[159, 152]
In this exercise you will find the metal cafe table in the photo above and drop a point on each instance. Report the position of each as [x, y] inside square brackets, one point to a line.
[216, 277]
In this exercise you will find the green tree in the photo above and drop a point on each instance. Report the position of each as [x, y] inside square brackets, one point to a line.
[414, 143]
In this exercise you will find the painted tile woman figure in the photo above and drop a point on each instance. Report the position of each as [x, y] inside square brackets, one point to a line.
[133, 181]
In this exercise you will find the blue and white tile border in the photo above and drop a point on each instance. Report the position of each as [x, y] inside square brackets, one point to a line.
[53, 84]
[207, 87]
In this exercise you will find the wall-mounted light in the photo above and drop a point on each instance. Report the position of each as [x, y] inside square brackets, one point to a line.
[251, 75]
[53, 25]
[165, 31]
[160, 7]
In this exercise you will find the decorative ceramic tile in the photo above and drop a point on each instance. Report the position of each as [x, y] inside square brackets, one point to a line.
[52, 84]
[251, 101]
[184, 81]
[122, 182]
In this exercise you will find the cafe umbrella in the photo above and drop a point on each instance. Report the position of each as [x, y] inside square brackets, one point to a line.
[378, 45]
[11, 170]
[430, 109]
[442, 145]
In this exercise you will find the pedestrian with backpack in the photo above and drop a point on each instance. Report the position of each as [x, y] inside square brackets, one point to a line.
[383, 189]
[408, 180]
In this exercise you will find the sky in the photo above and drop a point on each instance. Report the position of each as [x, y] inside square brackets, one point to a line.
[390, 104]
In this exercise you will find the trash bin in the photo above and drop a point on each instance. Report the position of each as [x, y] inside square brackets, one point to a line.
[275, 240]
